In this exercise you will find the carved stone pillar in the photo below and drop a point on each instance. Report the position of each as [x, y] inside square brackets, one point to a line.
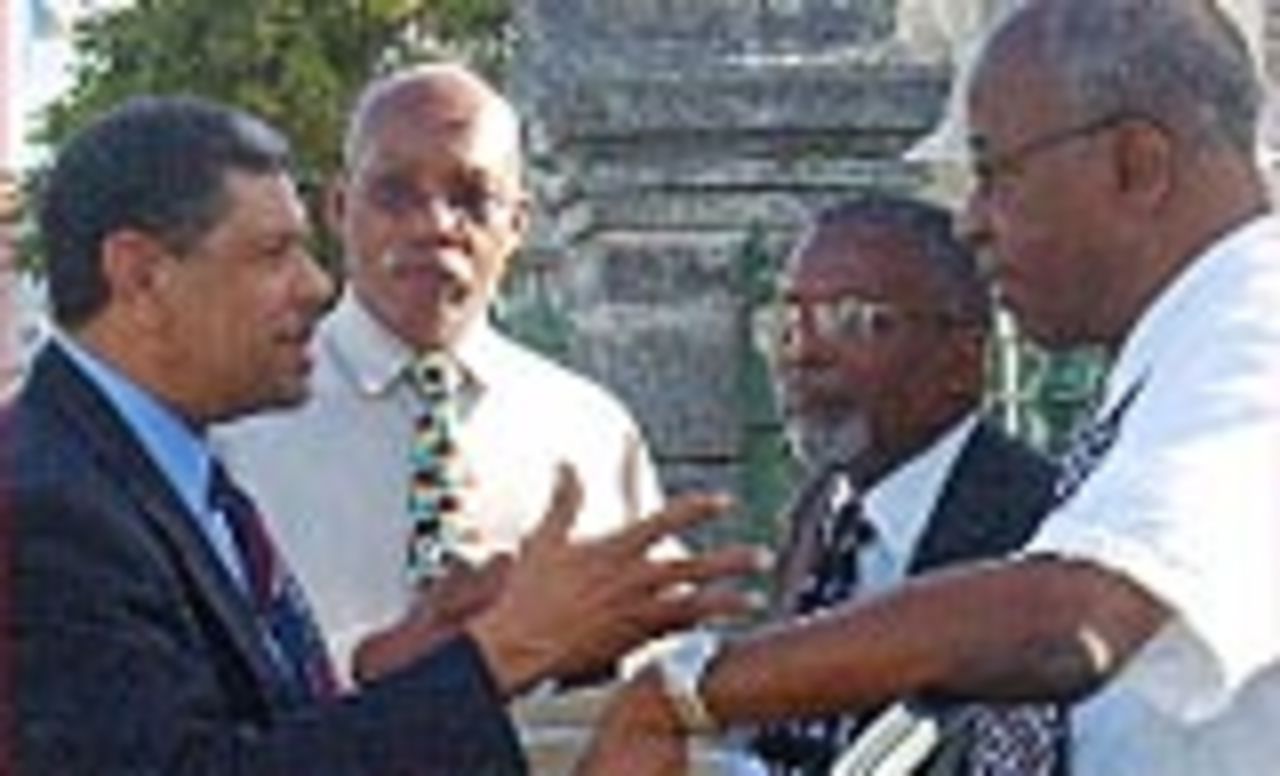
[674, 142]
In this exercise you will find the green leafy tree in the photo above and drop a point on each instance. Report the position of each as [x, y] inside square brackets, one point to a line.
[297, 63]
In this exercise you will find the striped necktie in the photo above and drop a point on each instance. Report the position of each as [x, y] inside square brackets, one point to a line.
[277, 600]
[436, 476]
[809, 746]
[1034, 739]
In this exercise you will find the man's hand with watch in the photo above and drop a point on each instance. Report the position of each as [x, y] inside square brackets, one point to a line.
[682, 668]
[649, 721]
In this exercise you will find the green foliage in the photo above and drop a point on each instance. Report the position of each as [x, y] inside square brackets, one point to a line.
[1064, 392]
[767, 471]
[297, 63]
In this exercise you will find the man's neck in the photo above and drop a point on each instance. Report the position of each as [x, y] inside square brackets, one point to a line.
[882, 459]
[133, 360]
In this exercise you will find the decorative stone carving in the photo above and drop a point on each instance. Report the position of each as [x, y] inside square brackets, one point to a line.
[665, 134]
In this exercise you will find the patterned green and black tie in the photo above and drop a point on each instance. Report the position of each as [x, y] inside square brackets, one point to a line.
[435, 470]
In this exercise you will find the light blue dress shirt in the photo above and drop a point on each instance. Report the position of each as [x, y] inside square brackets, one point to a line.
[174, 447]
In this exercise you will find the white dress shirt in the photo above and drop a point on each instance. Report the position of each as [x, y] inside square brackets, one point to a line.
[1186, 503]
[332, 475]
[900, 505]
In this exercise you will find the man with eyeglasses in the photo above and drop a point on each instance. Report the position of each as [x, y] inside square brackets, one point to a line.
[430, 210]
[1148, 597]
[877, 338]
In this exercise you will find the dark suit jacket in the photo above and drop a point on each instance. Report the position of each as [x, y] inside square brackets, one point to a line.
[137, 654]
[994, 498]
[996, 495]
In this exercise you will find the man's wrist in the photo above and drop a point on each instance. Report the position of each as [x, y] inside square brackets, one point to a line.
[515, 668]
[682, 669]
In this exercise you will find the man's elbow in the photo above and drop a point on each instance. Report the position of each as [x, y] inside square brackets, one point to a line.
[1102, 619]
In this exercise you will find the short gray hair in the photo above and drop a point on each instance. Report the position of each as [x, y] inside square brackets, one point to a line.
[379, 95]
[1180, 63]
[928, 227]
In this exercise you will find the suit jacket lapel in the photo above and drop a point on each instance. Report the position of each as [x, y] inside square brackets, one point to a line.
[995, 496]
[56, 380]
[800, 519]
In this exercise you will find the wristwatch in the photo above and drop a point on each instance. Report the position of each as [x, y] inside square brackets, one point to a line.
[682, 668]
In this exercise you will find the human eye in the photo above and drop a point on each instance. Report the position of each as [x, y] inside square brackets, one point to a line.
[863, 319]
[475, 198]
[879, 319]
[283, 248]
[470, 200]
[985, 175]
[392, 193]
[845, 317]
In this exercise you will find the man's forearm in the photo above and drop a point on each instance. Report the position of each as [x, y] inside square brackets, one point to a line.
[1032, 629]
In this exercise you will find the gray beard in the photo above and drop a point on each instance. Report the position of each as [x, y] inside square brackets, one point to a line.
[819, 441]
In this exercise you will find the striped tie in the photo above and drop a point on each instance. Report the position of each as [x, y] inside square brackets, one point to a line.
[435, 471]
[806, 746]
[1034, 739]
[275, 596]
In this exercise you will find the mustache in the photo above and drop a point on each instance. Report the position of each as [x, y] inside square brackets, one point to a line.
[452, 264]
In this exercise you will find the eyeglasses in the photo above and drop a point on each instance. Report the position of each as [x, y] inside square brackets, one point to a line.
[471, 203]
[990, 168]
[844, 318]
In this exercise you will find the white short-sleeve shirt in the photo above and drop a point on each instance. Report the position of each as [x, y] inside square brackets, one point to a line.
[1186, 503]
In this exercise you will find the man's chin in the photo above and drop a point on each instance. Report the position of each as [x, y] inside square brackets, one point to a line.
[284, 397]
[823, 442]
[444, 327]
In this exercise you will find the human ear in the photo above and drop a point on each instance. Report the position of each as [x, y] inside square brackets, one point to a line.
[336, 203]
[137, 270]
[1144, 157]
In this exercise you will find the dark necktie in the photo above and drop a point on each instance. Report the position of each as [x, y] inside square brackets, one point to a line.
[810, 746]
[1033, 739]
[834, 575]
[434, 503]
[274, 595]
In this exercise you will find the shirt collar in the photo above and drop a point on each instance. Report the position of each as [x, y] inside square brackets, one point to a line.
[365, 350]
[375, 358]
[179, 452]
[1181, 297]
[900, 504]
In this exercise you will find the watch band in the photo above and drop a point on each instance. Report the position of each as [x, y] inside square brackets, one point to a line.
[682, 669]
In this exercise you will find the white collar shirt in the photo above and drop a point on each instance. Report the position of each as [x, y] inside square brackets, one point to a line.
[1185, 503]
[900, 505]
[332, 475]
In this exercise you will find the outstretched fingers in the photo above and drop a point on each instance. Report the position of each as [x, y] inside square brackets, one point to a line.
[671, 594]
[562, 512]
[681, 609]
[734, 561]
[680, 514]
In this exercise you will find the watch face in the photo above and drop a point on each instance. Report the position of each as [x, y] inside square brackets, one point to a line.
[682, 667]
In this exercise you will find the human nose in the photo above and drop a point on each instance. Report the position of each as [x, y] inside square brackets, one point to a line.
[434, 214]
[315, 284]
[799, 339]
[973, 225]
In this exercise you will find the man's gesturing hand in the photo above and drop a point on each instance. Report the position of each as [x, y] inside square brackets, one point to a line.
[569, 608]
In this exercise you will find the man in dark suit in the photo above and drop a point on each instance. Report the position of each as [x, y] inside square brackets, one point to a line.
[878, 339]
[157, 630]
[1121, 206]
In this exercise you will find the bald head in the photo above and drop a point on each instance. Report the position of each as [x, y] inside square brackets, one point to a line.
[1181, 63]
[431, 207]
[446, 97]
[1114, 141]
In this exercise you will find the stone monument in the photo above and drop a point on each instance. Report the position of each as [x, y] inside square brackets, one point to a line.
[677, 146]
